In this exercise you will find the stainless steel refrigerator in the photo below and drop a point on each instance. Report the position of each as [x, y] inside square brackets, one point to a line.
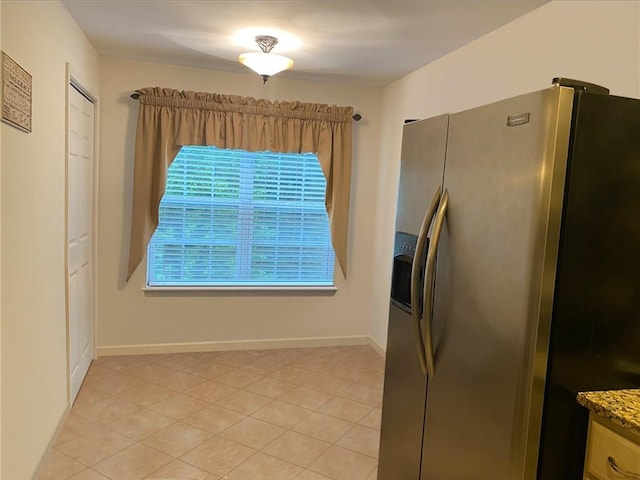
[516, 284]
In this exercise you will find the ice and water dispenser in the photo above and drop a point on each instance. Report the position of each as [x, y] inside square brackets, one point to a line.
[403, 253]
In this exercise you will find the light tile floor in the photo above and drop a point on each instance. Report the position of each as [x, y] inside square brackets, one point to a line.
[303, 414]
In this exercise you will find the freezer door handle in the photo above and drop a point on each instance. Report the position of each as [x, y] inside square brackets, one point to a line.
[416, 276]
[427, 306]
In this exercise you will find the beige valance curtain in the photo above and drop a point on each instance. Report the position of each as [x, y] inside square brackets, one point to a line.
[169, 119]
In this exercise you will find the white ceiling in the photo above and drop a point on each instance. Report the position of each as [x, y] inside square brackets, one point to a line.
[368, 42]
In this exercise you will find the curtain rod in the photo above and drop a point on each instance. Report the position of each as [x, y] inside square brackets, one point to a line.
[356, 116]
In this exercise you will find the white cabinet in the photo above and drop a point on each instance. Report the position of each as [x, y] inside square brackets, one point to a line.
[612, 453]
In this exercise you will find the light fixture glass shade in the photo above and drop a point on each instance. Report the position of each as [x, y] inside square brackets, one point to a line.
[265, 64]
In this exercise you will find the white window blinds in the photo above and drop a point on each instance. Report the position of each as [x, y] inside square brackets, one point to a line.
[237, 218]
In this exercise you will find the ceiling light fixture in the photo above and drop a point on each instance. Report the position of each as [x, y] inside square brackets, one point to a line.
[265, 63]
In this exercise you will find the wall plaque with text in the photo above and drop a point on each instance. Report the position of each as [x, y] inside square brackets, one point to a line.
[16, 94]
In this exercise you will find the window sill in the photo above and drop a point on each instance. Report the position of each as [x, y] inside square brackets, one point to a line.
[240, 290]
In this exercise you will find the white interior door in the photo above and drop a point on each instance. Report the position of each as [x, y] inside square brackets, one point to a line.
[80, 241]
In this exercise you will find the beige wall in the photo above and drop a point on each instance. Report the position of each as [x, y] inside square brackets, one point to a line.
[0, 275]
[129, 317]
[596, 41]
[40, 36]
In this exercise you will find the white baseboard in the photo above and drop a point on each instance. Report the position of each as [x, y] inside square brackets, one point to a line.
[237, 345]
[373, 344]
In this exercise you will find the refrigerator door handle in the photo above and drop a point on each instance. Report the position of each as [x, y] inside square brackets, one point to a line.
[415, 276]
[427, 306]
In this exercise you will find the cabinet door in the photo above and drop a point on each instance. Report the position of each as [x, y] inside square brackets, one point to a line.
[605, 444]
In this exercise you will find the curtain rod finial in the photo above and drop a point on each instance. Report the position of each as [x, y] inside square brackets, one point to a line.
[135, 95]
[357, 117]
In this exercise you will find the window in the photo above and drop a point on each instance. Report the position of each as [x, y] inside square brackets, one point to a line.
[237, 218]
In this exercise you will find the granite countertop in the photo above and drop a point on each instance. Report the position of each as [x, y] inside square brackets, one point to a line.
[622, 407]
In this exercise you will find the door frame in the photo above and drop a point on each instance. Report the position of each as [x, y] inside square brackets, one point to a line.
[76, 81]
